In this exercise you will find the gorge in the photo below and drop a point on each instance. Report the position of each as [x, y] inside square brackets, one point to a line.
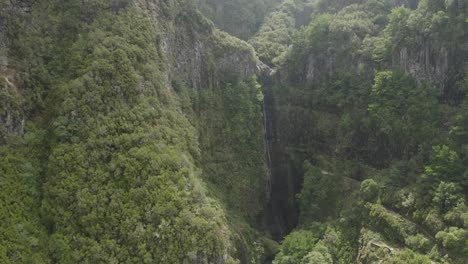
[233, 131]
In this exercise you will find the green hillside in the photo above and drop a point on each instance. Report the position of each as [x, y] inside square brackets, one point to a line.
[266, 131]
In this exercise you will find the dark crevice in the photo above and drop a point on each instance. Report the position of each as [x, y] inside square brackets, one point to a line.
[281, 215]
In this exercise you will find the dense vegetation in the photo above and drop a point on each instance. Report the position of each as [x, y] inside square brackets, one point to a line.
[138, 132]
[378, 92]
[113, 162]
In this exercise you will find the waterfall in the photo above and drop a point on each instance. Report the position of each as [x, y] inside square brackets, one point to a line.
[281, 214]
[266, 136]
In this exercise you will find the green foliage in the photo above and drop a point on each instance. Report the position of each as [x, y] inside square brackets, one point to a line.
[317, 200]
[299, 247]
[445, 165]
[318, 255]
[408, 256]
[369, 253]
[119, 180]
[121, 173]
[22, 237]
[117, 148]
[374, 249]
[226, 43]
[418, 243]
[375, 73]
[455, 239]
[432, 27]
[295, 247]
[459, 132]
[405, 113]
[458, 216]
[396, 27]
[447, 196]
[275, 35]
[369, 190]
[230, 118]
[333, 43]
[158, 173]
[111, 166]
[393, 226]
[434, 221]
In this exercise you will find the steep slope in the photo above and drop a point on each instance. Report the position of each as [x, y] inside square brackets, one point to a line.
[137, 132]
[107, 150]
[367, 104]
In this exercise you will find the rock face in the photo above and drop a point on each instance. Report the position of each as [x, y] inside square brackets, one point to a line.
[3, 47]
[437, 65]
[281, 214]
[197, 53]
[11, 112]
[425, 63]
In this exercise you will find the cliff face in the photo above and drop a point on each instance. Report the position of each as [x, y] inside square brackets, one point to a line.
[3, 44]
[219, 71]
[439, 65]
[432, 55]
[12, 112]
[196, 52]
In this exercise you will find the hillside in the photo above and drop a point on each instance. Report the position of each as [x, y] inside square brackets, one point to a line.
[265, 131]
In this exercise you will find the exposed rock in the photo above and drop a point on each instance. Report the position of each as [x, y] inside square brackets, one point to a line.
[11, 112]
[192, 46]
[3, 40]
[427, 63]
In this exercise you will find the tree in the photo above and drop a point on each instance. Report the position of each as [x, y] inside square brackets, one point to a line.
[295, 247]
[447, 196]
[317, 198]
[274, 37]
[408, 256]
[405, 113]
[445, 165]
[454, 238]
[369, 190]
[319, 255]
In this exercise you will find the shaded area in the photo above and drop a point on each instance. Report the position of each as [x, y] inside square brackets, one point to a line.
[282, 213]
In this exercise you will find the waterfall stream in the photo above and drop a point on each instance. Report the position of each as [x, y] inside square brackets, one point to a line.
[267, 144]
[281, 214]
